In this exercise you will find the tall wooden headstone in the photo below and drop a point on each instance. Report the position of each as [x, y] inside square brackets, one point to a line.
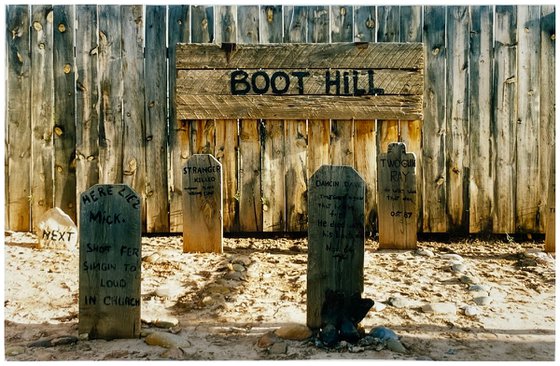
[202, 205]
[110, 262]
[397, 198]
[336, 236]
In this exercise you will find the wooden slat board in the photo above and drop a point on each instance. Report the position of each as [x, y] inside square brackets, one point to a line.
[179, 30]
[318, 29]
[295, 24]
[550, 217]
[365, 161]
[296, 175]
[341, 145]
[248, 24]
[341, 23]
[87, 97]
[433, 138]
[318, 144]
[505, 72]
[457, 118]
[156, 200]
[481, 136]
[273, 177]
[364, 23]
[18, 121]
[202, 205]
[270, 26]
[226, 24]
[202, 24]
[250, 196]
[64, 111]
[336, 237]
[42, 104]
[226, 151]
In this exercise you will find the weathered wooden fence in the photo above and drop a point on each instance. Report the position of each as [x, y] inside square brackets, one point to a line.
[90, 99]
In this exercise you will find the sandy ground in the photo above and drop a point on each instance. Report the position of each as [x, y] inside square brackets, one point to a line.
[227, 305]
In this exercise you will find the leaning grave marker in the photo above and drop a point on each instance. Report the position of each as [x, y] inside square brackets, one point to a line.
[336, 236]
[110, 262]
[397, 198]
[202, 205]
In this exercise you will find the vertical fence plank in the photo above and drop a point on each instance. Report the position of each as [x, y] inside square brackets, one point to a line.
[111, 85]
[64, 111]
[457, 118]
[250, 202]
[42, 100]
[433, 153]
[318, 24]
[248, 24]
[155, 86]
[341, 145]
[202, 24]
[18, 92]
[411, 131]
[365, 161]
[342, 28]
[547, 129]
[295, 23]
[226, 152]
[388, 28]
[296, 175]
[226, 24]
[364, 23]
[481, 146]
[179, 31]
[528, 208]
[273, 176]
[318, 144]
[87, 99]
[505, 85]
[134, 122]
[270, 24]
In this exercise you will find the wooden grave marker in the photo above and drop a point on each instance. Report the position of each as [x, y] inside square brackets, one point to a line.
[202, 205]
[336, 236]
[397, 198]
[110, 262]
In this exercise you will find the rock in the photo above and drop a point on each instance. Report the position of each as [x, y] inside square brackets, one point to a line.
[329, 335]
[167, 323]
[425, 252]
[236, 276]
[395, 346]
[43, 342]
[383, 333]
[152, 258]
[467, 279]
[166, 340]
[453, 257]
[440, 308]
[173, 353]
[218, 289]
[356, 349]
[378, 306]
[169, 290]
[238, 267]
[59, 341]
[368, 341]
[483, 300]
[243, 260]
[471, 310]
[267, 340]
[402, 302]
[14, 350]
[280, 348]
[83, 336]
[458, 267]
[294, 332]
[479, 288]
[56, 230]
[44, 355]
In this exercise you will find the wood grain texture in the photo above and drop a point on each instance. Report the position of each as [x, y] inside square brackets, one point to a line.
[365, 161]
[434, 127]
[296, 175]
[273, 176]
[397, 198]
[133, 102]
[179, 30]
[481, 138]
[457, 118]
[248, 24]
[341, 23]
[550, 217]
[202, 205]
[318, 24]
[227, 152]
[250, 195]
[270, 24]
[341, 144]
[335, 259]
[202, 24]
[505, 82]
[225, 24]
[155, 86]
[42, 105]
[292, 55]
[295, 24]
[64, 111]
[18, 119]
[365, 22]
[319, 131]
[110, 262]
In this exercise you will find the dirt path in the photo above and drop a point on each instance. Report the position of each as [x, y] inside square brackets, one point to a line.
[224, 307]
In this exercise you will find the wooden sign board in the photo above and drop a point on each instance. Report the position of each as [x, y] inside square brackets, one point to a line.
[299, 81]
[336, 236]
[397, 198]
[202, 205]
[110, 262]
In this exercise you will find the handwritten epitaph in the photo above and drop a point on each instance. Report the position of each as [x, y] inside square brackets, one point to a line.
[336, 236]
[202, 205]
[397, 196]
[110, 262]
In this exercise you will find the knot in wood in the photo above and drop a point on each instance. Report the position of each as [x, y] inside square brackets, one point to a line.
[67, 68]
[37, 26]
[342, 11]
[269, 14]
[370, 23]
[61, 28]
